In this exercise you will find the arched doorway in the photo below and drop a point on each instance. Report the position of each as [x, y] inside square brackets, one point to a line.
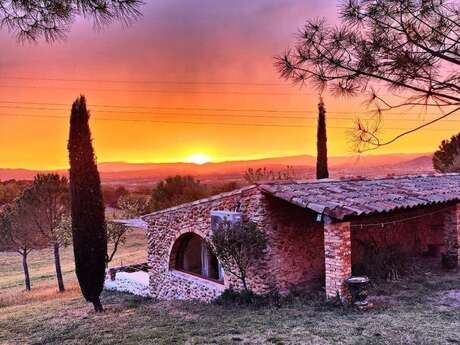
[190, 254]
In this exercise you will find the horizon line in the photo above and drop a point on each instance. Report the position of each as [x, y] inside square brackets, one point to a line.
[236, 160]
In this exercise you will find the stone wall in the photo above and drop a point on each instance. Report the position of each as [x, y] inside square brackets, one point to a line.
[165, 227]
[301, 254]
[337, 244]
[452, 230]
[353, 247]
[294, 258]
[296, 247]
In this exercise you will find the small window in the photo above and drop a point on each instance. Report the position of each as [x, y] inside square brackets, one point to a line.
[191, 255]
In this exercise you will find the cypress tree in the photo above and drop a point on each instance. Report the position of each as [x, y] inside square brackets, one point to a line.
[87, 207]
[321, 143]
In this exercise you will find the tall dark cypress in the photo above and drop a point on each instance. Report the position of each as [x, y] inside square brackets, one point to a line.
[88, 219]
[321, 143]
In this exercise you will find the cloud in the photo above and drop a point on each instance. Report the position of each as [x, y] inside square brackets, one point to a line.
[175, 39]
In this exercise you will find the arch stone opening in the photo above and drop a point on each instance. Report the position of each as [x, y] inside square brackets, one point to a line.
[190, 254]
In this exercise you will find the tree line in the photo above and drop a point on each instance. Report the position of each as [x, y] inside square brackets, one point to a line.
[36, 215]
[39, 217]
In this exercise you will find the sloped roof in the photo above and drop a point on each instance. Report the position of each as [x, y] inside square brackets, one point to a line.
[132, 223]
[198, 202]
[357, 197]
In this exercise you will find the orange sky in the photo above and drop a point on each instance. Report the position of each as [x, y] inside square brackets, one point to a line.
[186, 79]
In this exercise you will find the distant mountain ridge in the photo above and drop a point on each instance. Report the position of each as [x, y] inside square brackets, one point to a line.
[112, 172]
[301, 160]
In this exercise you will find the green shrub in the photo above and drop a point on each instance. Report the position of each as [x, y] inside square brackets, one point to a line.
[383, 263]
[231, 297]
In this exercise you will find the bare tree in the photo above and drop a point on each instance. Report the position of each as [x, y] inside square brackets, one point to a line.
[237, 246]
[131, 205]
[409, 47]
[17, 235]
[116, 237]
[51, 19]
[46, 202]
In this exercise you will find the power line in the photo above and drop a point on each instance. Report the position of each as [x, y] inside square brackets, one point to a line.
[159, 91]
[170, 82]
[276, 111]
[201, 122]
[167, 82]
[270, 117]
[174, 109]
[274, 117]
[162, 121]
[397, 221]
[181, 114]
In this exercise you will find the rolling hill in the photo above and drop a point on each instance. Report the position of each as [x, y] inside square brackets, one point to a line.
[137, 173]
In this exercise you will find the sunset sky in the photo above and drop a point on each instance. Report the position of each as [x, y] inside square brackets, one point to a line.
[191, 80]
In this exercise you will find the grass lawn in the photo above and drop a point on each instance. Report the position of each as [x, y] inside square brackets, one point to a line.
[422, 309]
[42, 271]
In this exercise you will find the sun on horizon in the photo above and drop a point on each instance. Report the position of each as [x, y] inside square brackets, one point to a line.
[199, 158]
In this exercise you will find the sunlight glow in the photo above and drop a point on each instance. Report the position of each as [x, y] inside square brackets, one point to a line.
[198, 158]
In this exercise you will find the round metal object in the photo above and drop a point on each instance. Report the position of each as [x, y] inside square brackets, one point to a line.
[358, 289]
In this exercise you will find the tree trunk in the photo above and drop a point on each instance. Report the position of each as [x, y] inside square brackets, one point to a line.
[57, 264]
[98, 308]
[25, 267]
[245, 284]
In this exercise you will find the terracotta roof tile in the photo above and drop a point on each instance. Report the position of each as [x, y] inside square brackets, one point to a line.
[341, 198]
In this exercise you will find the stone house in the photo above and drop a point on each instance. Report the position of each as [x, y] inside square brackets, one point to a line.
[318, 232]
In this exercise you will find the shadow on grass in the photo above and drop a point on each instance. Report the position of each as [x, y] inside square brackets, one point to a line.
[409, 313]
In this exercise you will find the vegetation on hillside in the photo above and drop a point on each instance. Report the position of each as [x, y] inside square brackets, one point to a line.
[176, 190]
[263, 174]
[11, 189]
[112, 194]
[447, 158]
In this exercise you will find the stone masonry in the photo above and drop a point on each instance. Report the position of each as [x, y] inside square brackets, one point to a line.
[452, 230]
[337, 246]
[307, 249]
[165, 227]
[294, 259]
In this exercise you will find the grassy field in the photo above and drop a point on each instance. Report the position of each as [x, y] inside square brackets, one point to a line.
[422, 309]
[42, 271]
